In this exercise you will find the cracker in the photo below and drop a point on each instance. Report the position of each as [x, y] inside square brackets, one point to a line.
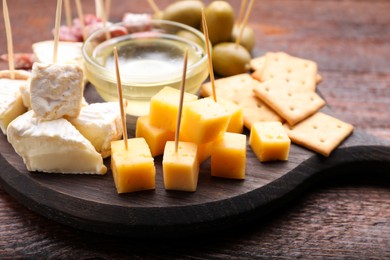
[290, 68]
[289, 101]
[320, 132]
[257, 63]
[239, 89]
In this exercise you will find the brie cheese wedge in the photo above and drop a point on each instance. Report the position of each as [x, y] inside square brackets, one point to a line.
[11, 104]
[54, 146]
[100, 123]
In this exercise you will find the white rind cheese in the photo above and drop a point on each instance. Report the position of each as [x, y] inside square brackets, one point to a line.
[100, 123]
[54, 146]
[56, 90]
[11, 104]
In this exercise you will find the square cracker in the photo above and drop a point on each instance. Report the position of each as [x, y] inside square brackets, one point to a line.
[289, 101]
[290, 68]
[320, 132]
[239, 89]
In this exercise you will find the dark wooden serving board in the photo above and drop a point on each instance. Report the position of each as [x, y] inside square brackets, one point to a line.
[91, 202]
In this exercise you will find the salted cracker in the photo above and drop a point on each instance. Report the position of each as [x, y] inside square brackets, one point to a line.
[239, 89]
[288, 100]
[321, 133]
[292, 69]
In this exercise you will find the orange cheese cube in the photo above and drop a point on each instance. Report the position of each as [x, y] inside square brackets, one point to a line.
[204, 150]
[228, 156]
[269, 141]
[180, 169]
[164, 108]
[132, 169]
[156, 137]
[236, 121]
[204, 120]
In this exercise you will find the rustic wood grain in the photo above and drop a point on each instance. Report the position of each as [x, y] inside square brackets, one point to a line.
[337, 219]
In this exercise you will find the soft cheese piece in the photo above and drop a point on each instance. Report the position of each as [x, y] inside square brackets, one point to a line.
[53, 146]
[100, 123]
[11, 103]
[228, 156]
[180, 169]
[156, 137]
[269, 141]
[164, 107]
[133, 169]
[204, 120]
[56, 90]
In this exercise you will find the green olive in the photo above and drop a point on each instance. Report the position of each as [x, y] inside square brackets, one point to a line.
[230, 59]
[186, 12]
[220, 21]
[190, 36]
[247, 38]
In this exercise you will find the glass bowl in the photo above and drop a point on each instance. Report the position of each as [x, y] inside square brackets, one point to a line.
[150, 58]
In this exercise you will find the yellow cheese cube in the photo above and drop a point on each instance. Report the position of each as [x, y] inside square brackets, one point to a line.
[228, 156]
[204, 150]
[132, 169]
[269, 141]
[164, 108]
[204, 120]
[180, 169]
[156, 137]
[236, 121]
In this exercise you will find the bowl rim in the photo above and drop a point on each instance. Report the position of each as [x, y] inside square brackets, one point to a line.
[88, 59]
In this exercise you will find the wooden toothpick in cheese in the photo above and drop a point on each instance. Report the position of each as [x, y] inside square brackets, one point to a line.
[100, 123]
[53, 146]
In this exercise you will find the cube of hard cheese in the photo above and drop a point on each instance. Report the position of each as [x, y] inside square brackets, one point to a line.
[180, 169]
[132, 169]
[269, 141]
[11, 103]
[164, 108]
[156, 137]
[228, 156]
[204, 150]
[236, 121]
[204, 120]
[56, 90]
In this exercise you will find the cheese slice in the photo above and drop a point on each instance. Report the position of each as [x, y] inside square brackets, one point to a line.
[100, 123]
[133, 169]
[181, 169]
[53, 146]
[11, 103]
[56, 90]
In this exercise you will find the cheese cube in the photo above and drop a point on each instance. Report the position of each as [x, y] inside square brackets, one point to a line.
[204, 120]
[11, 103]
[164, 107]
[269, 141]
[100, 123]
[56, 90]
[236, 121]
[156, 137]
[132, 169]
[228, 156]
[204, 150]
[180, 169]
[53, 146]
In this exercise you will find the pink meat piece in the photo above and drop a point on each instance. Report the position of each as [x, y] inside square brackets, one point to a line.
[21, 60]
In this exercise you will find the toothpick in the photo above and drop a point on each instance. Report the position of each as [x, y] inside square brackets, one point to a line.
[104, 20]
[244, 22]
[154, 7]
[80, 14]
[99, 8]
[120, 96]
[68, 13]
[242, 8]
[182, 90]
[57, 29]
[211, 70]
[9, 40]
[107, 9]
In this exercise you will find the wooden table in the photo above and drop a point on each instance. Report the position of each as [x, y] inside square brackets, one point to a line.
[341, 218]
